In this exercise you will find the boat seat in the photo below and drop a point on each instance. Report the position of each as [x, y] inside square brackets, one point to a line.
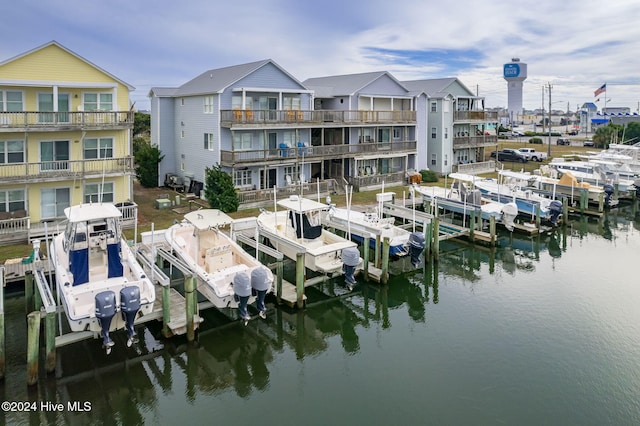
[218, 258]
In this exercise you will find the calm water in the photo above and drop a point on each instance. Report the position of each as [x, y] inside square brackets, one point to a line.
[539, 331]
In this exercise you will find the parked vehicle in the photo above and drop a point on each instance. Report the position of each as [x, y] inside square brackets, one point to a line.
[509, 155]
[563, 141]
[517, 133]
[532, 155]
[588, 143]
[573, 132]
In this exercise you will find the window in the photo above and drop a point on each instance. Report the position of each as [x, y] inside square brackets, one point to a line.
[434, 107]
[397, 134]
[446, 133]
[53, 201]
[236, 102]
[95, 148]
[242, 178]
[208, 141]
[182, 134]
[12, 200]
[290, 172]
[242, 141]
[54, 155]
[367, 135]
[45, 107]
[11, 101]
[291, 102]
[446, 159]
[98, 102]
[434, 159]
[289, 139]
[181, 101]
[208, 104]
[93, 192]
[384, 135]
[11, 152]
[434, 133]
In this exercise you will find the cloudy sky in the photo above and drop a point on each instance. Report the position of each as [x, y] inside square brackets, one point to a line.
[575, 45]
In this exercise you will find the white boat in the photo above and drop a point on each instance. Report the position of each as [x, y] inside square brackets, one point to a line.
[211, 254]
[462, 198]
[360, 222]
[567, 186]
[300, 222]
[97, 274]
[529, 203]
[594, 172]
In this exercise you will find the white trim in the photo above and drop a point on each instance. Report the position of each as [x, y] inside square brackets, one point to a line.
[269, 90]
[76, 84]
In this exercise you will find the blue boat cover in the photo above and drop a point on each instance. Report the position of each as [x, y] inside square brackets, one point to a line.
[115, 265]
[79, 265]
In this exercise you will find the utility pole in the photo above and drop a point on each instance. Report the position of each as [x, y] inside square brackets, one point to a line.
[542, 109]
[549, 152]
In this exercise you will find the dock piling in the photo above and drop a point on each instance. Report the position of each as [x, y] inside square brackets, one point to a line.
[300, 279]
[365, 257]
[191, 297]
[33, 347]
[385, 261]
[50, 341]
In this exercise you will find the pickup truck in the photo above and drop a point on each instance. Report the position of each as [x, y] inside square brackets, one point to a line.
[532, 155]
[512, 155]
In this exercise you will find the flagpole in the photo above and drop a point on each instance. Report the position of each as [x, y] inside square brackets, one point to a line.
[605, 95]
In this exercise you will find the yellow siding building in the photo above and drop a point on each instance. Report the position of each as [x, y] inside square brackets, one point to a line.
[65, 139]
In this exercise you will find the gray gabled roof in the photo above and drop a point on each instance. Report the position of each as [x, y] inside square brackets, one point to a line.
[433, 88]
[163, 92]
[344, 85]
[217, 80]
[55, 43]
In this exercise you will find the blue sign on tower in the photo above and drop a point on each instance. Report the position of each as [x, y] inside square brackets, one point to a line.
[511, 70]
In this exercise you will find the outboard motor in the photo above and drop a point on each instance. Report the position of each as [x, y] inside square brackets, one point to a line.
[555, 209]
[350, 260]
[416, 247]
[129, 306]
[105, 311]
[608, 192]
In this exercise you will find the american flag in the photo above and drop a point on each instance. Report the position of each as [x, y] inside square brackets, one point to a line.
[601, 89]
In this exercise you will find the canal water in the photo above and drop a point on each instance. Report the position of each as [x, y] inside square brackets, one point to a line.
[542, 330]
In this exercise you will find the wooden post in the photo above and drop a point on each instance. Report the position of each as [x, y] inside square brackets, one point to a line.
[601, 202]
[538, 220]
[279, 271]
[50, 342]
[33, 347]
[565, 211]
[616, 187]
[436, 238]
[166, 310]
[191, 302]
[492, 229]
[472, 223]
[2, 341]
[28, 292]
[300, 279]
[365, 257]
[428, 235]
[584, 196]
[377, 252]
[385, 261]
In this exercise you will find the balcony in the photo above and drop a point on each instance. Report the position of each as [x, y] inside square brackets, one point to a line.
[376, 181]
[16, 227]
[264, 197]
[475, 117]
[286, 154]
[58, 121]
[51, 171]
[460, 142]
[300, 118]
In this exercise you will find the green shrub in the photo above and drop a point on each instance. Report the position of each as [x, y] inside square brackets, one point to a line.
[429, 176]
[536, 141]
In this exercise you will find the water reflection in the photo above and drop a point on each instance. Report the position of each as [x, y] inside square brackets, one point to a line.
[131, 386]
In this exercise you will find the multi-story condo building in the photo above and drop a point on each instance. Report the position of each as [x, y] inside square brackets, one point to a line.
[369, 122]
[259, 123]
[65, 138]
[453, 127]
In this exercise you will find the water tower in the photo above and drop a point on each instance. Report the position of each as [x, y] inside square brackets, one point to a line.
[515, 72]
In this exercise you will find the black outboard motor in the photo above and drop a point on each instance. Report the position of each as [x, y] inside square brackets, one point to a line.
[105, 311]
[608, 192]
[555, 209]
[350, 260]
[416, 246]
[129, 306]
